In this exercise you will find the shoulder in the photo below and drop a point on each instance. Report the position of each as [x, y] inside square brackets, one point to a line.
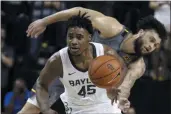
[55, 59]
[53, 67]
[9, 95]
[108, 26]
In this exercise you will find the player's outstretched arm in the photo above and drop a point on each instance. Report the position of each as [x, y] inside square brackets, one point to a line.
[135, 71]
[113, 92]
[52, 70]
[37, 27]
[109, 51]
[108, 26]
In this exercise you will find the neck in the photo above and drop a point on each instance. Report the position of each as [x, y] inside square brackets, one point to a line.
[128, 45]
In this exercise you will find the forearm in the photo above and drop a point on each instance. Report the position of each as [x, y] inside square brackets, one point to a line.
[42, 96]
[126, 86]
[66, 14]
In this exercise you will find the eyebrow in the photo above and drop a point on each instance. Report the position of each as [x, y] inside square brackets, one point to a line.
[79, 34]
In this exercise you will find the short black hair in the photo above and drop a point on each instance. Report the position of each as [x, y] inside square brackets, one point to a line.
[80, 21]
[150, 22]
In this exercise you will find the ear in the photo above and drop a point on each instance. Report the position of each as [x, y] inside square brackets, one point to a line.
[90, 38]
[141, 32]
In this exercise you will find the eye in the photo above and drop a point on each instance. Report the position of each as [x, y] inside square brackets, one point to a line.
[157, 45]
[79, 37]
[152, 39]
[70, 36]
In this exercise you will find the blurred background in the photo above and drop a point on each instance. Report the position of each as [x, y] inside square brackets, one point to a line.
[22, 58]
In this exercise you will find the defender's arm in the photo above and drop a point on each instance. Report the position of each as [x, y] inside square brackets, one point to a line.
[110, 51]
[135, 71]
[108, 26]
[66, 14]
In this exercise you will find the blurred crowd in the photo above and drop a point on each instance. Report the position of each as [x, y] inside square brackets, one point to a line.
[22, 58]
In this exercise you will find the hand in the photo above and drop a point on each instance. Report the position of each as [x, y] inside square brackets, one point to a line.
[50, 111]
[112, 94]
[124, 104]
[36, 28]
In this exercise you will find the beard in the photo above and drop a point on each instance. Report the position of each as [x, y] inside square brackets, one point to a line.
[137, 46]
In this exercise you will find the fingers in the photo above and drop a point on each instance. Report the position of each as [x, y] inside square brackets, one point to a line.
[31, 25]
[30, 28]
[123, 100]
[39, 32]
[29, 31]
[124, 104]
[33, 33]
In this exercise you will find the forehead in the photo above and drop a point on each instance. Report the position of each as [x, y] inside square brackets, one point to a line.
[77, 30]
[19, 81]
[153, 33]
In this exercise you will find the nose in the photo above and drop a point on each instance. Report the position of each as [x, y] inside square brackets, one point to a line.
[74, 41]
[149, 48]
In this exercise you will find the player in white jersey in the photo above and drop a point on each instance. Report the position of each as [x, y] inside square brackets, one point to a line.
[70, 65]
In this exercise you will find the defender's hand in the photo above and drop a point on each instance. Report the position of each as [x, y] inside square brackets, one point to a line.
[36, 28]
[124, 104]
[112, 94]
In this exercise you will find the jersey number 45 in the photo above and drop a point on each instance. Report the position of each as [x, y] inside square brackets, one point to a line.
[87, 90]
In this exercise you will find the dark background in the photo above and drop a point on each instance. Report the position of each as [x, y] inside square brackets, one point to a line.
[150, 95]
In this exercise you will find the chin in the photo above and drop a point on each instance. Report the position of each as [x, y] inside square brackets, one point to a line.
[145, 53]
[75, 54]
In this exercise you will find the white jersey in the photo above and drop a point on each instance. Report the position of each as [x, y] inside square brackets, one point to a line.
[81, 95]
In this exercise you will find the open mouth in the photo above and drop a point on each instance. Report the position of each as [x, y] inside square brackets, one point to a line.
[74, 49]
[146, 49]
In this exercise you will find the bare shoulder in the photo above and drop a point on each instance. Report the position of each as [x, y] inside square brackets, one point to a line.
[53, 65]
[55, 59]
[52, 69]
[108, 26]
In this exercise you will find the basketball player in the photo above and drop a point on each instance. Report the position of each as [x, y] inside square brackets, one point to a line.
[70, 65]
[107, 30]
